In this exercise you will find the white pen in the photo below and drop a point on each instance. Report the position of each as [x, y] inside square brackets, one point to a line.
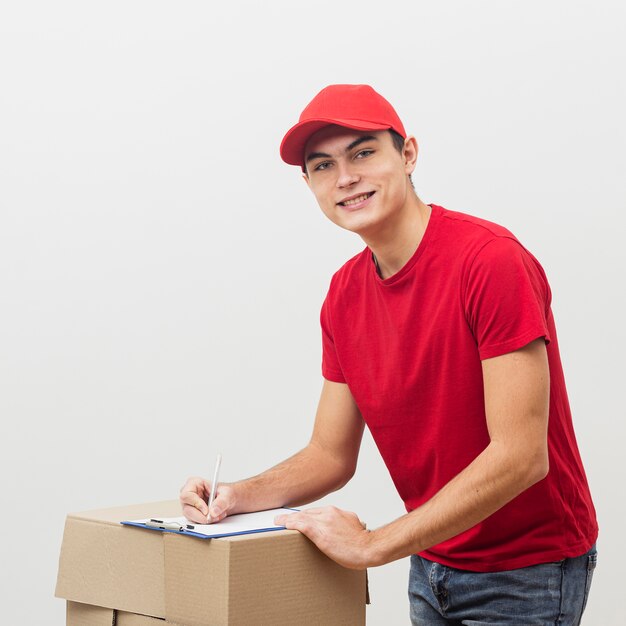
[216, 473]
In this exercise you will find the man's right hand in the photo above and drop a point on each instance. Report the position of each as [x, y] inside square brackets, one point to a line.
[194, 495]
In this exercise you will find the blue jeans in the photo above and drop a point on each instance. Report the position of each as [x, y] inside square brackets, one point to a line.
[541, 595]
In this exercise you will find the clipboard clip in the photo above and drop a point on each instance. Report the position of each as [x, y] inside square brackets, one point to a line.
[163, 525]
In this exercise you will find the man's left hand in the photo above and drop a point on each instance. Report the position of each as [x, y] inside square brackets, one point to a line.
[339, 534]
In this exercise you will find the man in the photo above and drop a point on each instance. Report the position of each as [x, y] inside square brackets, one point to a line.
[439, 337]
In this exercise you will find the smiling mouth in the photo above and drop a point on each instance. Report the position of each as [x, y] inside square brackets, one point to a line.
[356, 199]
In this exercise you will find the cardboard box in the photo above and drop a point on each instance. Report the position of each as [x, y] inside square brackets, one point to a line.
[271, 578]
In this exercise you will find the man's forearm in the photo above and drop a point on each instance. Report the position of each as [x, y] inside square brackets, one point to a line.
[487, 484]
[306, 476]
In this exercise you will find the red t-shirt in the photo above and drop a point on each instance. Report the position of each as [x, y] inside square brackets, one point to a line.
[410, 347]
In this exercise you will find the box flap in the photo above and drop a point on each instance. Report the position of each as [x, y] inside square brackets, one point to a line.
[78, 614]
[122, 618]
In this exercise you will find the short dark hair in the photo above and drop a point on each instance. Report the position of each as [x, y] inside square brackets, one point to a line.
[398, 144]
[398, 140]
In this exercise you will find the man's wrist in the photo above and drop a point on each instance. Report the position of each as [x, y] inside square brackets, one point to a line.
[374, 550]
[384, 546]
[237, 498]
[244, 497]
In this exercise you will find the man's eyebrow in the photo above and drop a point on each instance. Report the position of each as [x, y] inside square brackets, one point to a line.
[317, 155]
[361, 140]
[354, 144]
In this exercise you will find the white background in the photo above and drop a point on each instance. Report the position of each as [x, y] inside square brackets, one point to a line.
[161, 270]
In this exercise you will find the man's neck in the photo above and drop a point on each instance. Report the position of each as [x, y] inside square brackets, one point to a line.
[393, 247]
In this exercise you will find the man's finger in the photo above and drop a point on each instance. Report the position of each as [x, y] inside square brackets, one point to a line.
[281, 520]
[221, 506]
[318, 510]
[218, 518]
[194, 500]
[314, 512]
[193, 515]
[304, 524]
[292, 519]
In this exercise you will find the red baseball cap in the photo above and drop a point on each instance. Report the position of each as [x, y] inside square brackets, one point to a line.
[353, 106]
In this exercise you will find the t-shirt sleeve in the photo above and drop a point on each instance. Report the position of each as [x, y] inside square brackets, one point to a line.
[507, 298]
[331, 370]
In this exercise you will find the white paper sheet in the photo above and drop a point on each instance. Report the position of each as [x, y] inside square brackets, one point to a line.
[261, 521]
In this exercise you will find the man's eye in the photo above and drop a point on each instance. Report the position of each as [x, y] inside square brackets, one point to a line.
[321, 166]
[363, 153]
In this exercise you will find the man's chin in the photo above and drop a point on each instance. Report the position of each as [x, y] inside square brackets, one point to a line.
[360, 227]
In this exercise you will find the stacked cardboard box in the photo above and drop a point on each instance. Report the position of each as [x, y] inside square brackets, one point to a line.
[114, 575]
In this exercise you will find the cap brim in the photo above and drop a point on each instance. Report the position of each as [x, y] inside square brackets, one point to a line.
[294, 141]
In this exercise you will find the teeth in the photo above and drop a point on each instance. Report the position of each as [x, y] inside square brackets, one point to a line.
[356, 200]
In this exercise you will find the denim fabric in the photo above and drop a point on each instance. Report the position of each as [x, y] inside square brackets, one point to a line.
[550, 594]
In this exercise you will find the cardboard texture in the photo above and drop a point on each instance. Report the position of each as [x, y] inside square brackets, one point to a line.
[108, 571]
[89, 615]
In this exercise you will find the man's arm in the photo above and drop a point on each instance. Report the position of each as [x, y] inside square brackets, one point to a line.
[516, 387]
[325, 465]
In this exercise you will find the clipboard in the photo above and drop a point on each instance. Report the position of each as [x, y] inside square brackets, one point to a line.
[242, 524]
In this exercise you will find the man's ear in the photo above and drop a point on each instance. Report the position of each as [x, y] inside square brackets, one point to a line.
[305, 176]
[409, 154]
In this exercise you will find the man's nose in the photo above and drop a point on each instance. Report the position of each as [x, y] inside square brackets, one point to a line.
[346, 176]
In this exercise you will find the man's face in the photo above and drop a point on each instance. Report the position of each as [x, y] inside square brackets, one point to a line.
[359, 178]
